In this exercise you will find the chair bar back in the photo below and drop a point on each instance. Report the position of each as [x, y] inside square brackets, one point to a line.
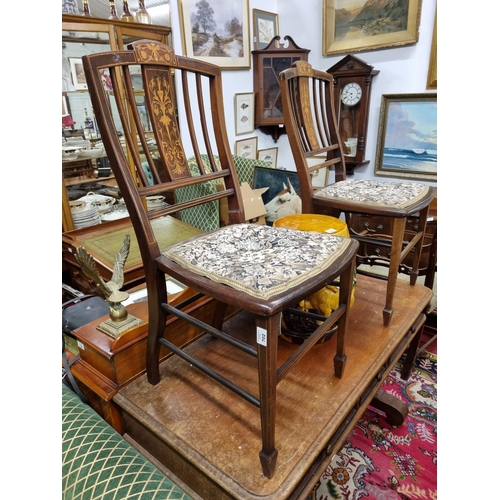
[308, 100]
[125, 110]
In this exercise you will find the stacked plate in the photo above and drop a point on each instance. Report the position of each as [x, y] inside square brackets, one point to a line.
[156, 202]
[92, 153]
[76, 143]
[72, 148]
[84, 214]
[70, 155]
[116, 212]
[101, 202]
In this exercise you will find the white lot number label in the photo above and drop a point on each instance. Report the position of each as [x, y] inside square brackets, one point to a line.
[261, 336]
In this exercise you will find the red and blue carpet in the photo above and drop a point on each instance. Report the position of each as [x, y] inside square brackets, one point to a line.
[383, 462]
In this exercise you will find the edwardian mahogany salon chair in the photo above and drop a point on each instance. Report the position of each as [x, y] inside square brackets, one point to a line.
[252, 267]
[311, 126]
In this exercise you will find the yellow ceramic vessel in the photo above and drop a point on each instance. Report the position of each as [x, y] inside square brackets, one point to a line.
[313, 222]
[325, 300]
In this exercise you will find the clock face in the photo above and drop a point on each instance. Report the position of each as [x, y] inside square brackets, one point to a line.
[351, 94]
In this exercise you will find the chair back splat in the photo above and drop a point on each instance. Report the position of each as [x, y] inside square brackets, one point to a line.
[256, 268]
[311, 124]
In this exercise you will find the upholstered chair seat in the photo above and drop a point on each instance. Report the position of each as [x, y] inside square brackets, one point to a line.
[382, 194]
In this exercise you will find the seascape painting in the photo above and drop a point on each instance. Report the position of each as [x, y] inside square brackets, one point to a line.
[217, 31]
[408, 136]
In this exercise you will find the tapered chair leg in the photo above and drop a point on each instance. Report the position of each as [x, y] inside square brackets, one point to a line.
[267, 350]
[157, 321]
[345, 292]
[397, 243]
[422, 224]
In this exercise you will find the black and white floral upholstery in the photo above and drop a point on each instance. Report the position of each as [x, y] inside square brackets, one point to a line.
[258, 259]
[369, 191]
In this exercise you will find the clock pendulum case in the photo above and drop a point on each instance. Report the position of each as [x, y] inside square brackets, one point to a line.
[352, 79]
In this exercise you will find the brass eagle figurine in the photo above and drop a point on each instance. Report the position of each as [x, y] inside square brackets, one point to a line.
[89, 267]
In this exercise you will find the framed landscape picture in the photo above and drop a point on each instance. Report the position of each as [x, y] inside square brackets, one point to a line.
[360, 25]
[407, 136]
[319, 178]
[216, 31]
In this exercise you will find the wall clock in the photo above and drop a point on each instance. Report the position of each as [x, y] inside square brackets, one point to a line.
[352, 79]
[351, 94]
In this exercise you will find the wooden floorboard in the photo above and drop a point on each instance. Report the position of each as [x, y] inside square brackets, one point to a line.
[210, 438]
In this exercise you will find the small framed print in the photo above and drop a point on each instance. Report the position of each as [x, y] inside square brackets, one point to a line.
[244, 113]
[265, 28]
[246, 148]
[319, 177]
[106, 79]
[269, 155]
[77, 73]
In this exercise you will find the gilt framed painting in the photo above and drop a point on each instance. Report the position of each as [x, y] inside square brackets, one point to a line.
[407, 136]
[361, 25]
[432, 73]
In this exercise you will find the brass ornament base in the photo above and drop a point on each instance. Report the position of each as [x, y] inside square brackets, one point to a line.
[116, 328]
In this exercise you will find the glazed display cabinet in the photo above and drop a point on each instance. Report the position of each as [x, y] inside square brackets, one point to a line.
[84, 163]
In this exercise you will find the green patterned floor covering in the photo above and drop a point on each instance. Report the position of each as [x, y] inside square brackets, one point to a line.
[98, 464]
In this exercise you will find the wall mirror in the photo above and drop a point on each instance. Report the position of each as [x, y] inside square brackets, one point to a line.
[94, 34]
[84, 163]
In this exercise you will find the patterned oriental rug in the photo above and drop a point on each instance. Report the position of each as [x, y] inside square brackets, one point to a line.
[379, 461]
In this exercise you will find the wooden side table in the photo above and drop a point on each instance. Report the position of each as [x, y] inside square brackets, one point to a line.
[103, 242]
[106, 365]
